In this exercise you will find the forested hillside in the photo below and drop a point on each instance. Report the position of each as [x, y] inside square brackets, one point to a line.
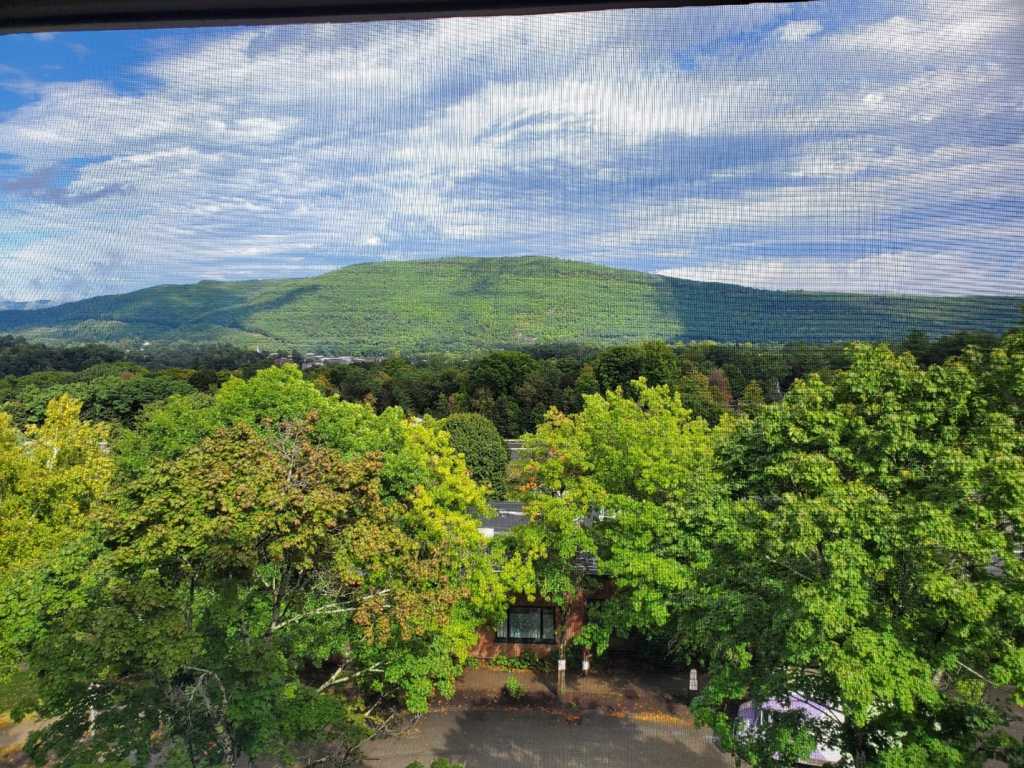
[470, 304]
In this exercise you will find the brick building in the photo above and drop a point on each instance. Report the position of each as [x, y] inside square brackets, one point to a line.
[529, 625]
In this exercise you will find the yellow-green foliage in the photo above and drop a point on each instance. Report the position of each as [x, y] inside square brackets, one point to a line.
[185, 589]
[51, 476]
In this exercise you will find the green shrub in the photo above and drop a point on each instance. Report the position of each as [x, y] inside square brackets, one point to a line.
[513, 687]
[509, 662]
[17, 692]
[526, 660]
[532, 661]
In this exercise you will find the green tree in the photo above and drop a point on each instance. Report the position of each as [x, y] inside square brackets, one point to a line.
[115, 393]
[50, 478]
[498, 386]
[751, 399]
[929, 351]
[587, 383]
[867, 560]
[629, 484]
[653, 361]
[702, 397]
[271, 565]
[204, 379]
[477, 439]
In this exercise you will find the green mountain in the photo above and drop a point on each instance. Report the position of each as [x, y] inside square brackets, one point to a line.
[463, 304]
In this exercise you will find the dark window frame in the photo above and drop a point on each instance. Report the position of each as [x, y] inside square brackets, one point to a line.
[547, 613]
[57, 15]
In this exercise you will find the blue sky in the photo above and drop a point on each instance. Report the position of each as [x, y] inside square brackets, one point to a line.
[853, 146]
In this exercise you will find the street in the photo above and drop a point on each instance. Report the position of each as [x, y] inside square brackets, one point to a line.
[511, 738]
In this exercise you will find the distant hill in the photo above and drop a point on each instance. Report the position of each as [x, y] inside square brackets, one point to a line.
[463, 304]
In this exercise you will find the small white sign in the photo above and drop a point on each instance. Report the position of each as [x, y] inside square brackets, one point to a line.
[694, 684]
[561, 665]
[586, 665]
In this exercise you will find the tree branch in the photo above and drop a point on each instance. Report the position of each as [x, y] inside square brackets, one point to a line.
[325, 610]
[336, 680]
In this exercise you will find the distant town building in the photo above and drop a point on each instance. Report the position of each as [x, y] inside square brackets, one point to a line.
[319, 361]
[515, 449]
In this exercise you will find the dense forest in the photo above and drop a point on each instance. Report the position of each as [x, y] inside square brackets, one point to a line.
[478, 304]
[201, 566]
[514, 389]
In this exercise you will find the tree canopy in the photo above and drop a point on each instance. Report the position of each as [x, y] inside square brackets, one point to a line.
[868, 559]
[243, 566]
[266, 566]
[630, 480]
[485, 452]
[857, 544]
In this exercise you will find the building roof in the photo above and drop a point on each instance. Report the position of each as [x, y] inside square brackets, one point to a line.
[506, 515]
[512, 508]
[509, 514]
[515, 449]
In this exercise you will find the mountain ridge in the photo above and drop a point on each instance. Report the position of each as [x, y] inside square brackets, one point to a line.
[466, 303]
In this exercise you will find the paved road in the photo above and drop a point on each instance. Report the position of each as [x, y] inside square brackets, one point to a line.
[530, 739]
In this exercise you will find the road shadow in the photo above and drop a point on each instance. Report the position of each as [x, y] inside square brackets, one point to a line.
[503, 738]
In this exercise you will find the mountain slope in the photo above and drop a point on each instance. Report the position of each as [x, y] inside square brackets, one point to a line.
[463, 304]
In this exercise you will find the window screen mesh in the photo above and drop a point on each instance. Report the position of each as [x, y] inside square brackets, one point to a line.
[828, 148]
[570, 299]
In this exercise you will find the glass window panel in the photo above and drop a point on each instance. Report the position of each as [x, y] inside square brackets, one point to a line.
[528, 625]
[548, 630]
[524, 625]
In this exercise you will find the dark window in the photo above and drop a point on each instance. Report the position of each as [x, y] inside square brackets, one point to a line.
[528, 624]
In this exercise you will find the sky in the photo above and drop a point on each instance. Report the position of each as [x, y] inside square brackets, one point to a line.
[843, 146]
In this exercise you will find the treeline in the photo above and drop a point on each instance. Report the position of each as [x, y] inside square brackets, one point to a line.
[113, 385]
[514, 389]
[19, 357]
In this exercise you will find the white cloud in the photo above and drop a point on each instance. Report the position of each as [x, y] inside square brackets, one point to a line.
[643, 137]
[797, 31]
[935, 274]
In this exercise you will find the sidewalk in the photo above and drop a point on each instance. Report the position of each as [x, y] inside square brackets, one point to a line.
[610, 692]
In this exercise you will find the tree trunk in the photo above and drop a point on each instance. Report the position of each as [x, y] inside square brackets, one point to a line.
[860, 754]
[227, 745]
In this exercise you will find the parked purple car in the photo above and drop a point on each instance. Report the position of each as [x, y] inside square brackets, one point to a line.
[752, 715]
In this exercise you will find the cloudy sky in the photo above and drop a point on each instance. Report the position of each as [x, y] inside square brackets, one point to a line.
[854, 146]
